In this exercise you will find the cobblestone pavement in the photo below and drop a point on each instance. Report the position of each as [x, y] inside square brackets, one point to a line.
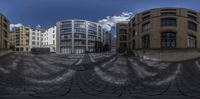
[99, 76]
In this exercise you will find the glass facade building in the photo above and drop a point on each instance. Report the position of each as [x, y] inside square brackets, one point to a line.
[78, 36]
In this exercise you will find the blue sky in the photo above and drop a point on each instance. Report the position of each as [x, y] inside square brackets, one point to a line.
[48, 12]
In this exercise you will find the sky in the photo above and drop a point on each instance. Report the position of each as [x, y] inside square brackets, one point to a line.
[46, 13]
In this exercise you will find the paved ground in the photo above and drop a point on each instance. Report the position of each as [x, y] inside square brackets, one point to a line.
[99, 76]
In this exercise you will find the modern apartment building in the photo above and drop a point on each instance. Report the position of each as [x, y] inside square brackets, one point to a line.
[27, 38]
[78, 36]
[49, 39]
[22, 38]
[164, 28]
[35, 38]
[122, 35]
[4, 32]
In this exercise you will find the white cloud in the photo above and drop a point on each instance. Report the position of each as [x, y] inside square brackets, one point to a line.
[38, 26]
[15, 25]
[109, 22]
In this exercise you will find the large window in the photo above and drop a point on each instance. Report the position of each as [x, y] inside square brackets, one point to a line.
[146, 41]
[168, 40]
[168, 13]
[122, 31]
[168, 22]
[133, 44]
[146, 26]
[191, 41]
[122, 37]
[192, 17]
[192, 26]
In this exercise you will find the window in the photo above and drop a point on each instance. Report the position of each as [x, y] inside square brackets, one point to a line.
[170, 9]
[147, 12]
[168, 40]
[123, 38]
[145, 26]
[168, 22]
[192, 26]
[146, 41]
[122, 31]
[191, 41]
[133, 44]
[192, 17]
[192, 12]
[146, 17]
[33, 38]
[168, 13]
[133, 34]
[123, 45]
[33, 43]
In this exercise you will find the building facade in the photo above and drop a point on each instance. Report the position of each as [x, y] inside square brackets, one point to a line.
[107, 40]
[4, 32]
[164, 28]
[27, 38]
[49, 39]
[22, 38]
[122, 35]
[12, 39]
[78, 36]
[35, 38]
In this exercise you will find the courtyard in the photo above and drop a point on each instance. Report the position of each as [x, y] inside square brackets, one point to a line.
[96, 75]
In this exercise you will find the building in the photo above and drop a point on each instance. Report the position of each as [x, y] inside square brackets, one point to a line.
[78, 36]
[12, 40]
[107, 40]
[27, 38]
[4, 32]
[22, 38]
[35, 38]
[49, 39]
[165, 28]
[122, 35]
[113, 43]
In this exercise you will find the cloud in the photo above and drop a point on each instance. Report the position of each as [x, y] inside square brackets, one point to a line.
[38, 26]
[110, 21]
[15, 25]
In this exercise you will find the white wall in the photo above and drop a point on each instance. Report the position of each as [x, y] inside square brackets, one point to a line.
[35, 37]
[49, 39]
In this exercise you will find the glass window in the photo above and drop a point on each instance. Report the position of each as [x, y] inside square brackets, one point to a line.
[133, 44]
[192, 17]
[33, 43]
[123, 45]
[146, 41]
[80, 30]
[123, 38]
[168, 13]
[66, 30]
[122, 31]
[146, 26]
[191, 41]
[168, 22]
[168, 40]
[192, 26]
[146, 17]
